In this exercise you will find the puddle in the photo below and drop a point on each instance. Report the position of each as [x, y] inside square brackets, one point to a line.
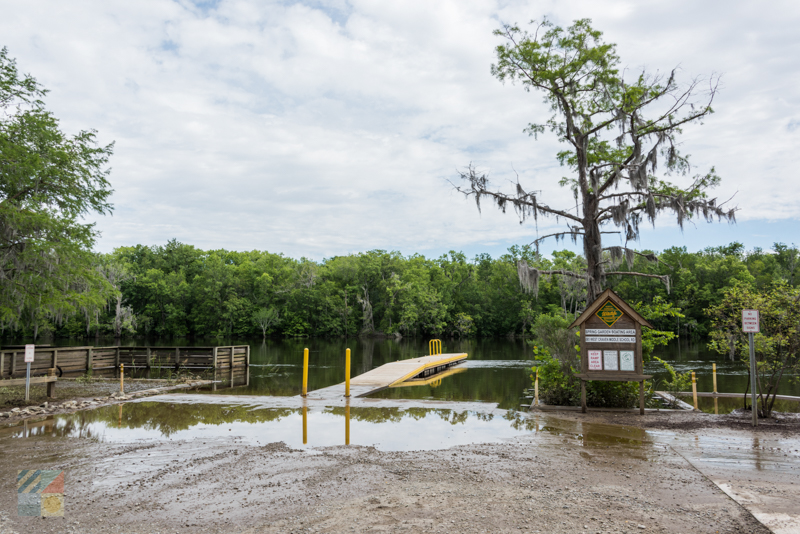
[386, 428]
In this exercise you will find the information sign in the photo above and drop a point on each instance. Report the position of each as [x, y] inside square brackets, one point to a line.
[750, 321]
[610, 362]
[29, 353]
[595, 360]
[626, 361]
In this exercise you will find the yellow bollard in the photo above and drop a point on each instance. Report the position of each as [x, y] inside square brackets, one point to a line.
[716, 402]
[536, 389]
[347, 423]
[347, 374]
[305, 424]
[305, 372]
[714, 369]
[122, 378]
[694, 390]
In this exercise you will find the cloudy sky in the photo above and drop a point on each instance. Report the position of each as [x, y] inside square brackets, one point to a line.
[329, 127]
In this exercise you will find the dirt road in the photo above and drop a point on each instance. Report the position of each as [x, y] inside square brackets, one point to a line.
[563, 476]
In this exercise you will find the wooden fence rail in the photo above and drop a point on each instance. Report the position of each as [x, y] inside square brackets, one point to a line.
[71, 360]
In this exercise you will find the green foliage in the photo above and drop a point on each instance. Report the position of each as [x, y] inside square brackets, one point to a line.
[777, 345]
[49, 181]
[677, 383]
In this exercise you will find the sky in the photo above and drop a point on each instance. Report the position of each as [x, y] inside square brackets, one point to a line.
[331, 127]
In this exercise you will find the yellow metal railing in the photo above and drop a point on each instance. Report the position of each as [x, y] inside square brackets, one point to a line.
[435, 347]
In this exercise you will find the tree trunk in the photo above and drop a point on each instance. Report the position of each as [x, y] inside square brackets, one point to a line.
[593, 251]
[117, 319]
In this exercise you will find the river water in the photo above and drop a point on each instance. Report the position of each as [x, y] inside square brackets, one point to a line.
[498, 370]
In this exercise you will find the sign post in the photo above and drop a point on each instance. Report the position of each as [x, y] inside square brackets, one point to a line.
[29, 354]
[751, 325]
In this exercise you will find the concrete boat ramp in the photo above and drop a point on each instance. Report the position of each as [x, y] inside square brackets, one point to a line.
[393, 374]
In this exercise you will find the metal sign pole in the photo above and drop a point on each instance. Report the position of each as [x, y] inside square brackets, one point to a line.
[28, 382]
[753, 380]
[29, 355]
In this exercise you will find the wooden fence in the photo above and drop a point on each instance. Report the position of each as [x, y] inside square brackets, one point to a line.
[71, 360]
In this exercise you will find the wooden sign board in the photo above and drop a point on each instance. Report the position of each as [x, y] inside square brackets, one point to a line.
[611, 343]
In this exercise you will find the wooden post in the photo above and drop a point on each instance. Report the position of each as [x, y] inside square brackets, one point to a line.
[2, 363]
[51, 386]
[247, 355]
[89, 358]
[232, 351]
[13, 364]
[122, 378]
[148, 360]
[536, 389]
[694, 390]
[177, 358]
[116, 362]
[54, 359]
[641, 397]
[583, 396]
[214, 355]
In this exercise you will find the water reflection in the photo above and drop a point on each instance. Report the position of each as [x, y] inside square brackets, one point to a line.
[387, 428]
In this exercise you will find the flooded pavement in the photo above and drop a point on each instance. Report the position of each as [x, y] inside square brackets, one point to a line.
[198, 463]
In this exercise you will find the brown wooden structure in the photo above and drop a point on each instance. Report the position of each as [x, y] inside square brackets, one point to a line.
[611, 344]
[106, 360]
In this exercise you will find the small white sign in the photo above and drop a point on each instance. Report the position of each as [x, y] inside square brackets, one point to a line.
[626, 361]
[29, 353]
[750, 322]
[610, 362]
[610, 332]
[611, 339]
[595, 360]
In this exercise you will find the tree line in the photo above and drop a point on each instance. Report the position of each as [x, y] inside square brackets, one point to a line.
[178, 290]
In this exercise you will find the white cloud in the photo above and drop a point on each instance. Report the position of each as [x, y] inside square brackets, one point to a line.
[329, 127]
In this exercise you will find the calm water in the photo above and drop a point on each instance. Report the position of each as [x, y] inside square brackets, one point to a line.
[498, 370]
[385, 428]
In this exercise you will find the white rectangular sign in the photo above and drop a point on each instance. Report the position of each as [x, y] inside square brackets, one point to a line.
[626, 361]
[595, 360]
[611, 339]
[750, 322]
[610, 362]
[29, 353]
[610, 332]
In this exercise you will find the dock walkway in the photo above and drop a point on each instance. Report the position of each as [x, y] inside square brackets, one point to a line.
[391, 374]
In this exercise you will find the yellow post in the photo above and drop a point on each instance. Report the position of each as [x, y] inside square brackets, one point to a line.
[347, 374]
[305, 423]
[716, 401]
[305, 375]
[714, 369]
[536, 389]
[347, 423]
[694, 390]
[122, 378]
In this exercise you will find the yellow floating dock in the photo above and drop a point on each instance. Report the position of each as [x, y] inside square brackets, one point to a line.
[392, 375]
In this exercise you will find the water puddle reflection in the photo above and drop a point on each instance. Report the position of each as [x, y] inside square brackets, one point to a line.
[386, 428]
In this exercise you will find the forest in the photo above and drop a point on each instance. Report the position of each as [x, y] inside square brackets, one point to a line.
[178, 290]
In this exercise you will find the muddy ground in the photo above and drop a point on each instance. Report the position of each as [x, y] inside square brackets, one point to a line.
[77, 389]
[557, 479]
[75, 395]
